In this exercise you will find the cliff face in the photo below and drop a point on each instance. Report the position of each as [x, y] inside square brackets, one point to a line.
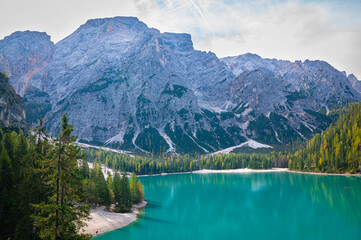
[12, 107]
[129, 86]
[22, 54]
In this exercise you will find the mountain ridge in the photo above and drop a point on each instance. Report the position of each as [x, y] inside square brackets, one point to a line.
[129, 86]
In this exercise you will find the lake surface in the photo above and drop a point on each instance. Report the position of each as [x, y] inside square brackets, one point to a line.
[274, 205]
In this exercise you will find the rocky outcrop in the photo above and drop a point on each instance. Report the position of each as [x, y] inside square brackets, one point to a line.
[12, 107]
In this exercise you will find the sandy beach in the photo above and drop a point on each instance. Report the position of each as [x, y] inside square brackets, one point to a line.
[241, 170]
[104, 221]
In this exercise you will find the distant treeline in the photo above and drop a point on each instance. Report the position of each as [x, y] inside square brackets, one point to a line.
[183, 163]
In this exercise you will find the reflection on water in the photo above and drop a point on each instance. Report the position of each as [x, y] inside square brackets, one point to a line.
[334, 193]
[247, 206]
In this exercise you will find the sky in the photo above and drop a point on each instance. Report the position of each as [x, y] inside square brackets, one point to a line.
[328, 30]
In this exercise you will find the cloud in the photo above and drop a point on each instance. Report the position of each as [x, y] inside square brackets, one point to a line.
[292, 30]
[328, 30]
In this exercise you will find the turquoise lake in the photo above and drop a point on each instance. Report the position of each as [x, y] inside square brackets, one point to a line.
[274, 205]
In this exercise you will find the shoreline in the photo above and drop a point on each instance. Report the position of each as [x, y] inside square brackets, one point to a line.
[247, 170]
[103, 221]
[326, 174]
[240, 170]
[237, 170]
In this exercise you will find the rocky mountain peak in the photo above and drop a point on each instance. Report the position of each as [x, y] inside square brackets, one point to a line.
[130, 22]
[29, 36]
[22, 54]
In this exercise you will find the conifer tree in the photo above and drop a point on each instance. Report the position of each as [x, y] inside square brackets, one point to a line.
[126, 198]
[60, 217]
[135, 189]
[7, 198]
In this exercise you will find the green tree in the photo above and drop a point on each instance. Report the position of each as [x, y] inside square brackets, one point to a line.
[60, 217]
[7, 198]
[135, 189]
[126, 198]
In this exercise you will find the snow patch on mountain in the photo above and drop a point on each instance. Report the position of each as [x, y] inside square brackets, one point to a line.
[250, 143]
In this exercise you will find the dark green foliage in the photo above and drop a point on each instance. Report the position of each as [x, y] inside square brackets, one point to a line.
[28, 187]
[236, 133]
[45, 187]
[7, 196]
[128, 143]
[183, 113]
[99, 85]
[212, 116]
[59, 217]
[294, 96]
[121, 190]
[239, 109]
[305, 131]
[226, 115]
[183, 142]
[95, 186]
[145, 110]
[222, 137]
[206, 137]
[281, 125]
[197, 117]
[177, 91]
[262, 126]
[150, 140]
[323, 120]
[35, 110]
[116, 187]
[125, 202]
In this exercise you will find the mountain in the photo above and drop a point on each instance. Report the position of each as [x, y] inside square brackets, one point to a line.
[287, 99]
[128, 86]
[12, 107]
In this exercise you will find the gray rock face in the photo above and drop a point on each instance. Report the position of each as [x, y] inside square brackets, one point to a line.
[356, 84]
[129, 86]
[289, 99]
[22, 54]
[12, 107]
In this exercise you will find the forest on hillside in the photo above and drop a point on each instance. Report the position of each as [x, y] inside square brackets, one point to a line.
[336, 150]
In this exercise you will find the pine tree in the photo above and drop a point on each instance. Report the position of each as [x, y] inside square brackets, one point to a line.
[126, 198]
[116, 187]
[60, 217]
[33, 188]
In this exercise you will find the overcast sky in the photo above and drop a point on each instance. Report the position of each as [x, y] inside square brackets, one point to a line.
[327, 30]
